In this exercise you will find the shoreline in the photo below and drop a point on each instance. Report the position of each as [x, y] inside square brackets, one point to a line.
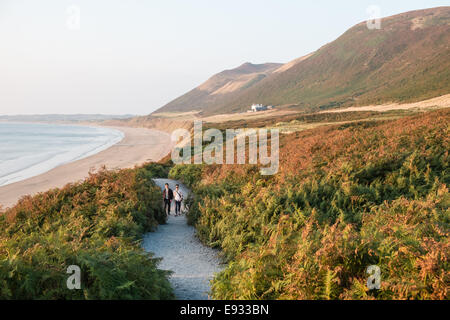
[138, 146]
[64, 157]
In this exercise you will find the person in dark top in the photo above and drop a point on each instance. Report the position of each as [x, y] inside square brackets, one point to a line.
[167, 196]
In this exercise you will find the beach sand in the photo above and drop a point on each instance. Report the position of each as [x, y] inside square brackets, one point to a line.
[138, 146]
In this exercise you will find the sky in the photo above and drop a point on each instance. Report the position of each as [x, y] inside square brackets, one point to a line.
[134, 56]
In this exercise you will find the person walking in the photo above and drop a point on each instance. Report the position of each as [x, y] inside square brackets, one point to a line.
[178, 196]
[167, 196]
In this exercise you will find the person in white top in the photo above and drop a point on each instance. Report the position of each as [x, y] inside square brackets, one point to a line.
[178, 197]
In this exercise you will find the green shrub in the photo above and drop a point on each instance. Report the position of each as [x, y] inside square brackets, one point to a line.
[190, 175]
[96, 224]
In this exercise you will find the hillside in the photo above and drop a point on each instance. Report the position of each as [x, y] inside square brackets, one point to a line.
[221, 87]
[407, 60]
[347, 196]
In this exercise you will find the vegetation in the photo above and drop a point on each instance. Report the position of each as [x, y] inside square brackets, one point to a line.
[306, 118]
[189, 175]
[346, 197]
[97, 225]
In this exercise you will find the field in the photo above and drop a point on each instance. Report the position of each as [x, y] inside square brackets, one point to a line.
[347, 196]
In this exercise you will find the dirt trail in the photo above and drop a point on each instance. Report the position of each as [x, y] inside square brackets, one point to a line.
[193, 263]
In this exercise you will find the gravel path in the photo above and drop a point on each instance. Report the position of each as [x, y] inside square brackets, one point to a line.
[193, 263]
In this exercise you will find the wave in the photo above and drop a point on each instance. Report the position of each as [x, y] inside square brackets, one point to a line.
[68, 148]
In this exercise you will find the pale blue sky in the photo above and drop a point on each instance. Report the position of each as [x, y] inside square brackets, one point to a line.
[133, 56]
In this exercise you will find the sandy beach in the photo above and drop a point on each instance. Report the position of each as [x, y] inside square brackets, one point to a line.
[138, 146]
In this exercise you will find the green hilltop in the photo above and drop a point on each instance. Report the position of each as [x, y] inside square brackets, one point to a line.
[404, 61]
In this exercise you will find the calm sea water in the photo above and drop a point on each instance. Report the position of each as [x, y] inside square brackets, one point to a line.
[27, 150]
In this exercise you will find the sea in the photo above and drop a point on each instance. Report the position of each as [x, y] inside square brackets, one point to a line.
[30, 149]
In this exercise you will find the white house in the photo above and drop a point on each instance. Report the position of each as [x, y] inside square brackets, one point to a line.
[258, 107]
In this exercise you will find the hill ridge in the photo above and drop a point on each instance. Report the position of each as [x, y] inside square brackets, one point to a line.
[404, 61]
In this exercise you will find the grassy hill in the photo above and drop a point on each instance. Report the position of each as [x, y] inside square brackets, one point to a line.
[406, 60]
[221, 87]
